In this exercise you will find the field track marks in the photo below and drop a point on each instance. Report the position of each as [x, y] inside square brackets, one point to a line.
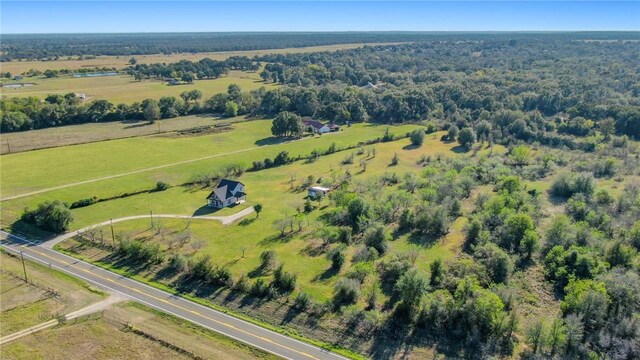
[127, 173]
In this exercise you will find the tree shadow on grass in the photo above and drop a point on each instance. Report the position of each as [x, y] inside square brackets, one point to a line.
[257, 272]
[231, 296]
[423, 239]
[252, 301]
[312, 249]
[326, 275]
[247, 221]
[290, 315]
[127, 264]
[411, 147]
[166, 273]
[391, 339]
[272, 140]
[22, 228]
[459, 149]
[188, 285]
[275, 239]
[139, 125]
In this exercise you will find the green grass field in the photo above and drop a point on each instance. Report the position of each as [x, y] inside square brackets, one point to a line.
[41, 169]
[271, 187]
[124, 89]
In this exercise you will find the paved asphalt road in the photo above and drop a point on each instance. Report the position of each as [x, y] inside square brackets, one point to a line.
[243, 331]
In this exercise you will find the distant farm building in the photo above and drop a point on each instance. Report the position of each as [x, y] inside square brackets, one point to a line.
[315, 192]
[227, 192]
[317, 126]
[97, 74]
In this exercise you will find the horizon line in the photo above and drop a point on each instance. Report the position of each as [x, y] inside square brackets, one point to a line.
[334, 32]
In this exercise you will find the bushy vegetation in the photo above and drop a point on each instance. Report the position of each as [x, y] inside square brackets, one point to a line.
[477, 250]
[50, 216]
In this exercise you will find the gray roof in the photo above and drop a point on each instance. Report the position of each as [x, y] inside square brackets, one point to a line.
[224, 189]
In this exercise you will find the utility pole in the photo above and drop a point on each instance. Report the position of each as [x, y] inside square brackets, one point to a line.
[24, 268]
[9, 145]
[158, 126]
[151, 213]
[113, 235]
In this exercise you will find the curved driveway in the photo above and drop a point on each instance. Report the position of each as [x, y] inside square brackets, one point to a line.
[225, 220]
[253, 335]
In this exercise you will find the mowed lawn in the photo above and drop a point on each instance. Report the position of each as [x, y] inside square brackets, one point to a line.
[271, 188]
[42, 169]
[124, 89]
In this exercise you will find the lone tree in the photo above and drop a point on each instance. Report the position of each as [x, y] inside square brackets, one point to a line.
[467, 137]
[151, 110]
[258, 209]
[416, 137]
[287, 124]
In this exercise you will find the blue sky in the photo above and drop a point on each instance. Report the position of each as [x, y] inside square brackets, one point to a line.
[182, 16]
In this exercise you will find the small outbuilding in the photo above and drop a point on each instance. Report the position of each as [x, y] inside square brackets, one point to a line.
[317, 191]
[227, 192]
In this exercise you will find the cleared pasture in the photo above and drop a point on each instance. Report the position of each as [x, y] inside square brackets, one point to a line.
[249, 141]
[92, 132]
[301, 253]
[124, 89]
[120, 62]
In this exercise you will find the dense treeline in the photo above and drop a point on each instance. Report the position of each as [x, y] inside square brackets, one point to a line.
[551, 90]
[53, 46]
[189, 70]
[468, 82]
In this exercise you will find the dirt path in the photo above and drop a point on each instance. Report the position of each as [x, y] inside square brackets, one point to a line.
[225, 220]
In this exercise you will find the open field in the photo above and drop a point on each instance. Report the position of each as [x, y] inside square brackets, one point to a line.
[128, 331]
[41, 169]
[49, 294]
[87, 339]
[120, 62]
[124, 89]
[271, 187]
[92, 132]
